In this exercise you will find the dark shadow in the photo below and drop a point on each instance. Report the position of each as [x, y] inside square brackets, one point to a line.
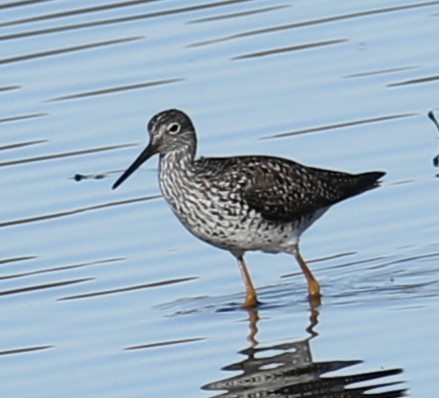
[433, 119]
[288, 370]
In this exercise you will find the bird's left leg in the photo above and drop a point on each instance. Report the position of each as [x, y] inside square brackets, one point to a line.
[313, 285]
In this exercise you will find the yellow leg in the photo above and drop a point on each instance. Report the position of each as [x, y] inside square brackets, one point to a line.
[251, 299]
[313, 285]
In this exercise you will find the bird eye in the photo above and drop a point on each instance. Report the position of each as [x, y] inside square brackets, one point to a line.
[174, 128]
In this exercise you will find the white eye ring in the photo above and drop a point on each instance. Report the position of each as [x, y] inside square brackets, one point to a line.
[174, 128]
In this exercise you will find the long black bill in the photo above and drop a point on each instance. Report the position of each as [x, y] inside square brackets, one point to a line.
[149, 151]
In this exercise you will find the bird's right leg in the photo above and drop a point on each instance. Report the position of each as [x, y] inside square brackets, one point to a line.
[313, 285]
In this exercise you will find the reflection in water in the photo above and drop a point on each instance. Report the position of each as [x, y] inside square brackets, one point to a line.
[433, 119]
[288, 370]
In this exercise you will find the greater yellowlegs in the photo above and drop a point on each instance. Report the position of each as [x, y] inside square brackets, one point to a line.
[243, 203]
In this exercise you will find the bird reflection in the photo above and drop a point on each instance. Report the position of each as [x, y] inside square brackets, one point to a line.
[288, 370]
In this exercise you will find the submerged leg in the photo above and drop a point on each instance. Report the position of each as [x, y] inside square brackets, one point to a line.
[251, 299]
[313, 285]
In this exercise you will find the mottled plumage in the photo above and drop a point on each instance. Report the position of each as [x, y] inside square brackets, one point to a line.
[243, 203]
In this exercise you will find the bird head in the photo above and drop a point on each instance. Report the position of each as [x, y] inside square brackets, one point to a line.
[169, 131]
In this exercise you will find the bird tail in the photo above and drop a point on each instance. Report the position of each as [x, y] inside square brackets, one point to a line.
[369, 180]
[348, 185]
[361, 182]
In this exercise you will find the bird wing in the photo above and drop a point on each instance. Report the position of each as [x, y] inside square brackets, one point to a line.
[283, 191]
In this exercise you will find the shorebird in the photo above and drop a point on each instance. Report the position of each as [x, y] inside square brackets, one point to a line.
[243, 203]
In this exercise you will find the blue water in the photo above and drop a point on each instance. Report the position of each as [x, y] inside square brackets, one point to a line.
[105, 294]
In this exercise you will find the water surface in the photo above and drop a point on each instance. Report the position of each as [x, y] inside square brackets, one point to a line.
[105, 294]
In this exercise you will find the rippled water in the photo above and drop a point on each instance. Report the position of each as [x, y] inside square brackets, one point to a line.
[105, 294]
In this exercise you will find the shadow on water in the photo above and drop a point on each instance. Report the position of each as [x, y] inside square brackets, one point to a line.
[433, 119]
[289, 370]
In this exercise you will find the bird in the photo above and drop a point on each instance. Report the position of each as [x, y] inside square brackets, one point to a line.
[243, 203]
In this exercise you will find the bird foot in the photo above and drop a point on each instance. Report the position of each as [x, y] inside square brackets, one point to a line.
[315, 300]
[313, 288]
[251, 301]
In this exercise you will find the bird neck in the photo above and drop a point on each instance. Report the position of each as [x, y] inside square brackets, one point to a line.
[176, 173]
[178, 160]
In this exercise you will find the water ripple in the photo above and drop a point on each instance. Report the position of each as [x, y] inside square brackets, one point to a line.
[238, 14]
[59, 268]
[22, 144]
[22, 117]
[78, 11]
[380, 72]
[66, 213]
[52, 285]
[66, 50]
[64, 154]
[117, 89]
[164, 343]
[118, 20]
[25, 349]
[16, 259]
[418, 80]
[311, 22]
[341, 125]
[9, 88]
[129, 288]
[299, 47]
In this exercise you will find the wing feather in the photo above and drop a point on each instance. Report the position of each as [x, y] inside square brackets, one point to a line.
[283, 190]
